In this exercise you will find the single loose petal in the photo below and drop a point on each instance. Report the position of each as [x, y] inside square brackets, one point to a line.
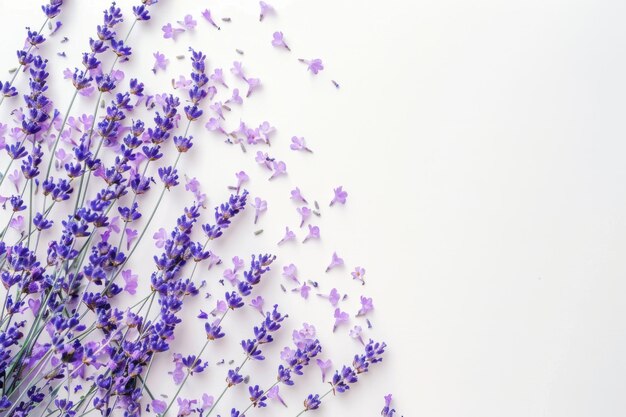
[278, 41]
[130, 281]
[296, 196]
[160, 62]
[297, 144]
[340, 196]
[340, 317]
[359, 274]
[188, 22]
[289, 235]
[273, 394]
[367, 305]
[336, 261]
[325, 367]
[170, 32]
[313, 65]
[266, 9]
[158, 406]
[291, 272]
[314, 233]
[207, 16]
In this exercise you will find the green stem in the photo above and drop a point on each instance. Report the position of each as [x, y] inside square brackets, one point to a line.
[58, 138]
[30, 213]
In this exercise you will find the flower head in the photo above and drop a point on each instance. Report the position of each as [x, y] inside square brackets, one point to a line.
[207, 16]
[340, 196]
[265, 10]
[260, 206]
[313, 65]
[336, 261]
[279, 41]
[314, 233]
[289, 235]
[170, 32]
[387, 411]
[296, 195]
[325, 366]
[188, 22]
[297, 144]
[312, 402]
[131, 281]
[359, 274]
[367, 305]
[340, 317]
[160, 62]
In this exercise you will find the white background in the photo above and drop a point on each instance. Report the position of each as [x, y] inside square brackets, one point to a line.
[482, 146]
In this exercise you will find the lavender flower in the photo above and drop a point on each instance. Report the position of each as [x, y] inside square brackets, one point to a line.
[366, 306]
[289, 235]
[314, 233]
[265, 10]
[207, 16]
[170, 32]
[387, 411]
[260, 206]
[279, 41]
[160, 62]
[68, 248]
[297, 144]
[313, 65]
[296, 195]
[336, 261]
[340, 196]
[359, 274]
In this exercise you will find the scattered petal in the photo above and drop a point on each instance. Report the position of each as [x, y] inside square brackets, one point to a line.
[291, 272]
[314, 233]
[340, 196]
[297, 144]
[130, 281]
[296, 196]
[313, 65]
[170, 32]
[289, 235]
[188, 22]
[279, 41]
[340, 317]
[260, 206]
[266, 9]
[325, 367]
[367, 305]
[359, 274]
[207, 15]
[334, 262]
[160, 62]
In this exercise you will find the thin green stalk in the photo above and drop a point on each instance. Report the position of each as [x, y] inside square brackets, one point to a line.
[58, 138]
[30, 213]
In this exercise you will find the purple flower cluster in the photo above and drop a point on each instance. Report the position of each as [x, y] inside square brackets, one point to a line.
[72, 339]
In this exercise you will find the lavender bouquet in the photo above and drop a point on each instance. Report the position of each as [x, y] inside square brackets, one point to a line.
[91, 317]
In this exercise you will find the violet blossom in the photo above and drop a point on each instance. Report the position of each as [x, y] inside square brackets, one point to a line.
[313, 65]
[279, 41]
